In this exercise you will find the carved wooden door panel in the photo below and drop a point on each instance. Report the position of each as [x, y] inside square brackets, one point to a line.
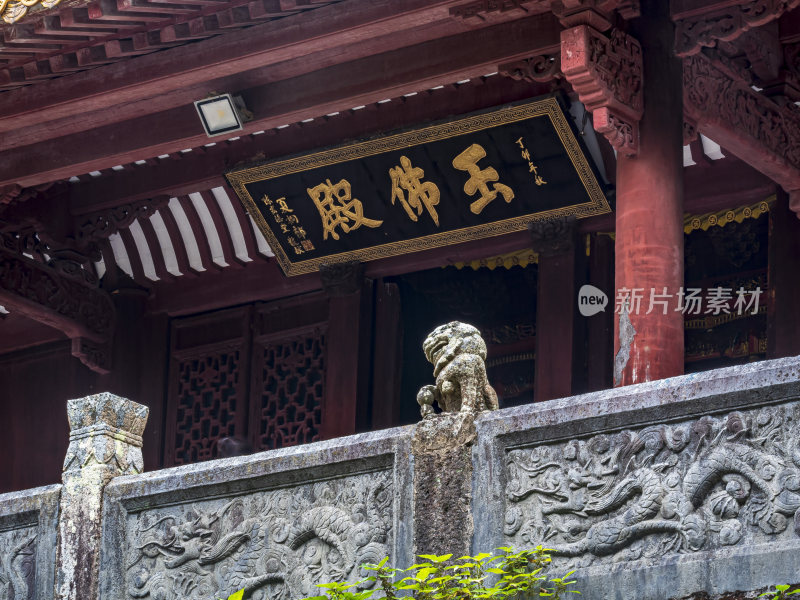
[256, 373]
[208, 387]
[288, 372]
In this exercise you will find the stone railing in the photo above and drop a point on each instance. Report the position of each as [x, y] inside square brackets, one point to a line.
[653, 491]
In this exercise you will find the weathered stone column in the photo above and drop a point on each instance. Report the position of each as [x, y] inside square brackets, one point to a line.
[442, 443]
[105, 441]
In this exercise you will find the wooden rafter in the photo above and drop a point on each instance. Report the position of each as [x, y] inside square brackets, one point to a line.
[335, 88]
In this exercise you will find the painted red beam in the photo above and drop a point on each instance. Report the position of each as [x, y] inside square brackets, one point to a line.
[154, 75]
[45, 127]
[725, 183]
[337, 88]
[704, 23]
[203, 169]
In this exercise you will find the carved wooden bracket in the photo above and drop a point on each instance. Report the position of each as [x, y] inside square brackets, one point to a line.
[606, 72]
[101, 224]
[689, 131]
[342, 279]
[540, 68]
[746, 123]
[82, 312]
[725, 23]
[596, 13]
[553, 236]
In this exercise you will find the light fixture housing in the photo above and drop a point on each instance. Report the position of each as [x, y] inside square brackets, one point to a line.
[219, 115]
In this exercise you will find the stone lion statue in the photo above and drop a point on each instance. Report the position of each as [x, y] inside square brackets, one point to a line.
[457, 352]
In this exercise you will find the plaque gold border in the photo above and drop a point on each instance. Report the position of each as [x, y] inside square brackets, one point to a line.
[597, 204]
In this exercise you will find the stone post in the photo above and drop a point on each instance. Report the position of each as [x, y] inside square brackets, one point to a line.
[442, 448]
[105, 441]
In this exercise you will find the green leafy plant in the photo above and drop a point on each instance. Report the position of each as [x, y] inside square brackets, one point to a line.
[237, 595]
[780, 593]
[505, 576]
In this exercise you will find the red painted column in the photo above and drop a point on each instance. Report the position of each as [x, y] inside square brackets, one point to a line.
[649, 212]
[600, 327]
[556, 308]
[348, 350]
[783, 317]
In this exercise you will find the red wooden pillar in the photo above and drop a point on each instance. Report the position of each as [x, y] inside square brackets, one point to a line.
[554, 242]
[347, 377]
[649, 221]
[783, 311]
[388, 355]
[153, 386]
[600, 327]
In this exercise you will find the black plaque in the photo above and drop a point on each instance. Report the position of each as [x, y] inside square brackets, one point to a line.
[471, 178]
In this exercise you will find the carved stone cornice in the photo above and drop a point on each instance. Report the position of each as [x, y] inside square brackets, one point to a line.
[748, 124]
[535, 69]
[81, 311]
[553, 236]
[606, 72]
[704, 30]
[101, 224]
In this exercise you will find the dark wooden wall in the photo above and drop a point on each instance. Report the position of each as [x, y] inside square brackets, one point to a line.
[34, 387]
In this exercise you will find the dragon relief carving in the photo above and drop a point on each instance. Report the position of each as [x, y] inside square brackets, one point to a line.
[458, 354]
[276, 544]
[666, 489]
[17, 564]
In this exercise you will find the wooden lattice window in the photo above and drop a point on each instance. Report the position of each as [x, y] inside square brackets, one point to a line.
[289, 380]
[256, 373]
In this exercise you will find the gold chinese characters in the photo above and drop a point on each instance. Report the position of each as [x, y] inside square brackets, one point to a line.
[479, 178]
[338, 209]
[532, 168]
[407, 179]
[289, 224]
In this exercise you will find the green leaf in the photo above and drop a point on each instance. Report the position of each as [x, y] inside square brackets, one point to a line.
[436, 558]
[236, 596]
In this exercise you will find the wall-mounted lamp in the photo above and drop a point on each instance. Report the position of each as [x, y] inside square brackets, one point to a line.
[221, 113]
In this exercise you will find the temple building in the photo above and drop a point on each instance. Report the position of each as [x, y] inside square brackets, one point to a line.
[247, 215]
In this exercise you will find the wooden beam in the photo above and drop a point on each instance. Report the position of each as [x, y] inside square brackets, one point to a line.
[85, 314]
[153, 75]
[748, 124]
[259, 281]
[335, 89]
[203, 170]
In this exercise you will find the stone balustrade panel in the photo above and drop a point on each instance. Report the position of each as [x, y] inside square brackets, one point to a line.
[28, 533]
[677, 486]
[274, 523]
